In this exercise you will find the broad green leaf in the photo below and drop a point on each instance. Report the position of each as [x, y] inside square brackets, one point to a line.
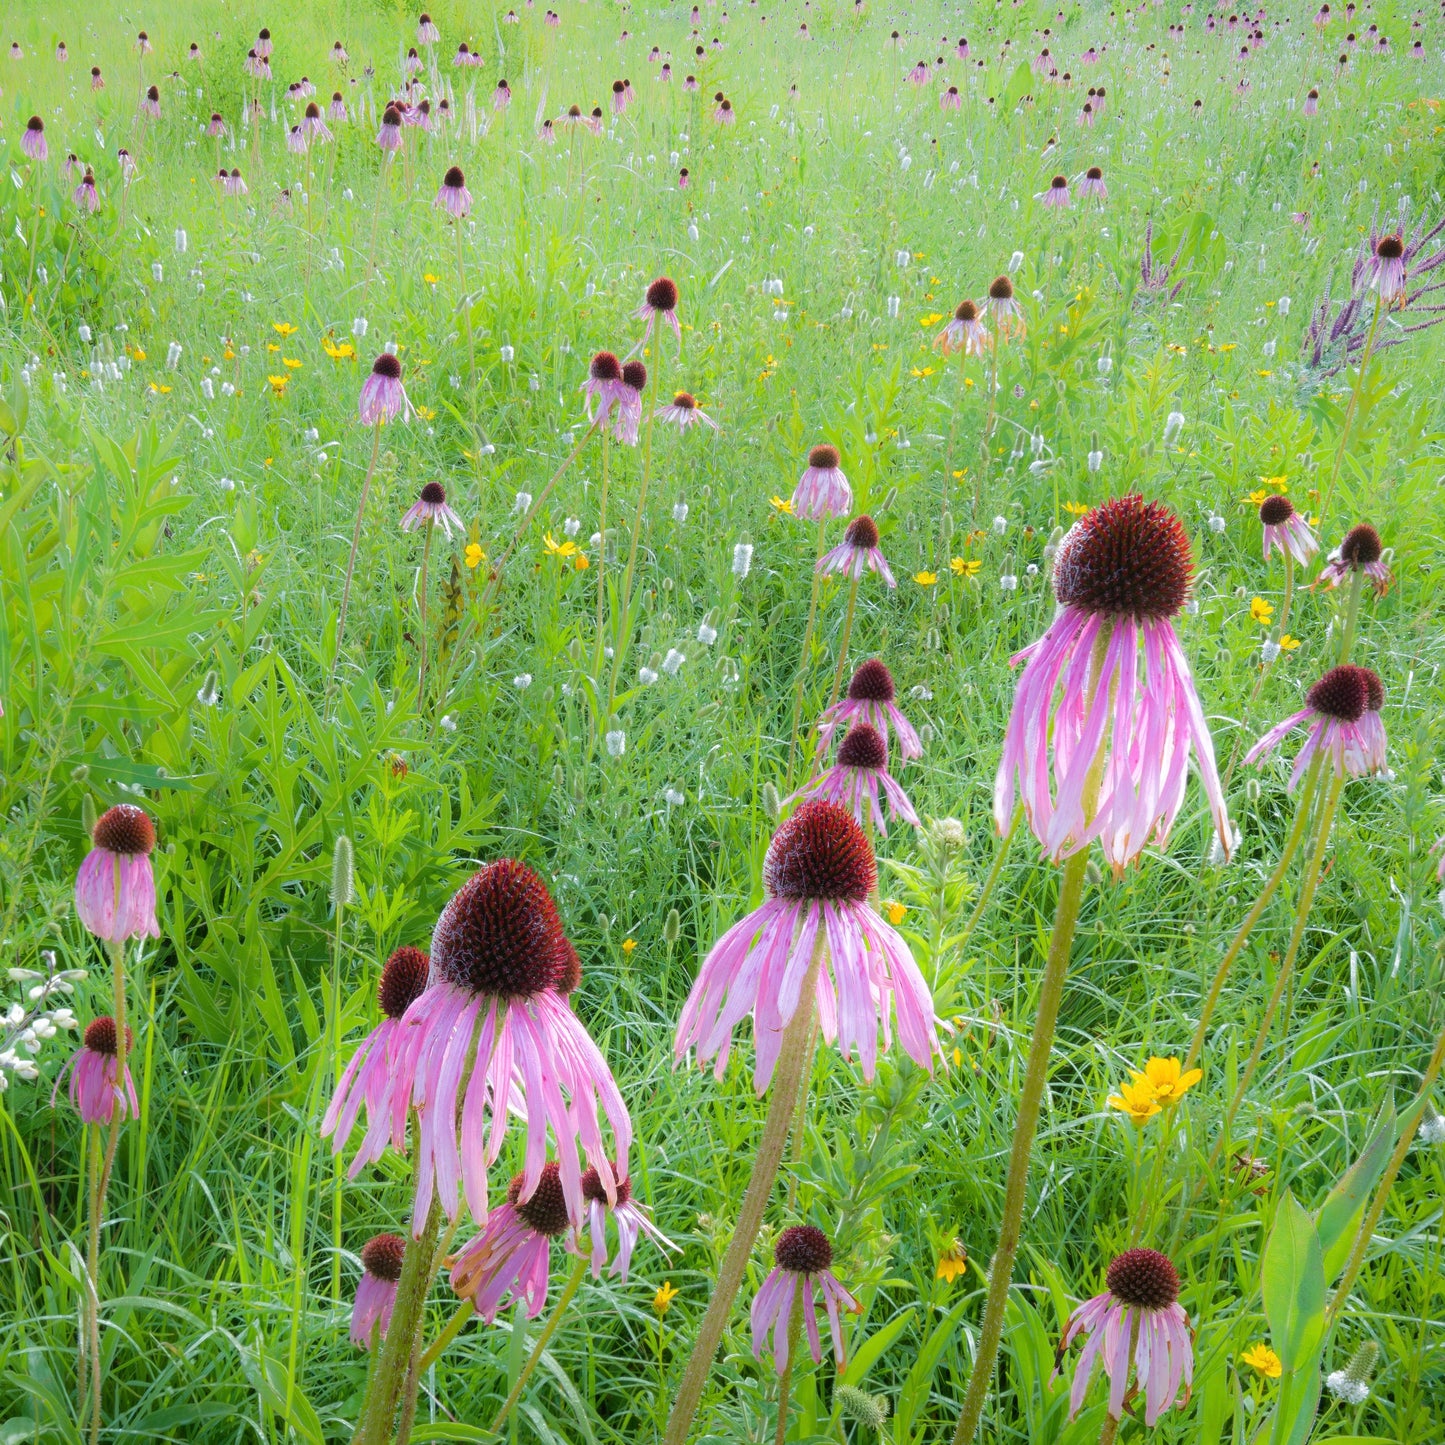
[1293, 1279]
[868, 1353]
[1345, 1203]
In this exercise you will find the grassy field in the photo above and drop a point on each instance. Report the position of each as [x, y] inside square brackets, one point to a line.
[183, 465]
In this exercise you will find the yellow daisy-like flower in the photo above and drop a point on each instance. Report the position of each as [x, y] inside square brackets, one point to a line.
[896, 912]
[429, 278]
[474, 556]
[137, 354]
[1258, 495]
[1076, 509]
[925, 579]
[662, 1300]
[781, 504]
[1260, 1357]
[932, 319]
[344, 352]
[290, 363]
[279, 384]
[283, 328]
[271, 346]
[628, 944]
[159, 388]
[1287, 643]
[1261, 611]
[554, 548]
[1137, 1100]
[580, 562]
[921, 371]
[1168, 1081]
[952, 1263]
[965, 566]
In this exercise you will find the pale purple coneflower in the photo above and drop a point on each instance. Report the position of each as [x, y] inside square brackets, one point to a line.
[426, 31]
[631, 1218]
[263, 43]
[411, 65]
[509, 1259]
[463, 55]
[429, 509]
[660, 299]
[1286, 529]
[1361, 551]
[683, 179]
[233, 184]
[724, 114]
[85, 195]
[337, 109]
[16, 53]
[97, 80]
[295, 141]
[497, 957]
[871, 698]
[1138, 1317]
[619, 97]
[71, 166]
[691, 83]
[595, 122]
[115, 889]
[961, 49]
[950, 99]
[453, 197]
[802, 1261]
[683, 411]
[551, 20]
[603, 385]
[366, 1080]
[142, 43]
[419, 116]
[817, 876]
[216, 127]
[858, 552]
[1312, 102]
[919, 74]
[32, 139]
[93, 1088]
[1335, 711]
[665, 74]
[304, 88]
[1003, 308]
[628, 417]
[62, 55]
[1057, 195]
[313, 128]
[859, 780]
[389, 136]
[256, 66]
[501, 96]
[383, 397]
[1092, 187]
[1387, 275]
[338, 54]
[547, 134]
[194, 54]
[1090, 710]
[511, 18]
[381, 1258]
[965, 333]
[822, 490]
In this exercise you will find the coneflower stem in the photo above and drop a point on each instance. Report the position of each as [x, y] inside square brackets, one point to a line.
[90, 1354]
[1352, 614]
[1351, 408]
[375, 223]
[1264, 671]
[1291, 846]
[803, 661]
[355, 543]
[411, 1385]
[843, 642]
[1286, 969]
[601, 569]
[574, 1281]
[795, 1328]
[989, 883]
[425, 558]
[786, 1077]
[471, 346]
[453, 1328]
[117, 958]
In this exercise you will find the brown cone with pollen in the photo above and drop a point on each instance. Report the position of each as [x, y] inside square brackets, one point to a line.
[803, 1249]
[1002, 289]
[595, 1191]
[1125, 558]
[966, 311]
[862, 532]
[388, 366]
[546, 1210]
[381, 1256]
[1361, 546]
[403, 981]
[500, 934]
[1144, 1279]
[434, 494]
[662, 294]
[1275, 511]
[825, 458]
[634, 374]
[820, 853]
[872, 682]
[1342, 693]
[605, 367]
[100, 1036]
[124, 829]
[863, 747]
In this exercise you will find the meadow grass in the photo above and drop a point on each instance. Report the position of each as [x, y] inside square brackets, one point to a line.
[175, 523]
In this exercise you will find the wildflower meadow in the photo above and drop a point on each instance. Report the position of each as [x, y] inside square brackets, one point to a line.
[722, 723]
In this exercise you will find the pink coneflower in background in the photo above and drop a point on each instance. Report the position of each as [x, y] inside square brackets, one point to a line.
[411, 65]
[660, 300]
[72, 166]
[628, 416]
[426, 31]
[263, 43]
[859, 780]
[32, 139]
[1003, 310]
[683, 411]
[381, 1258]
[509, 1259]
[631, 1218]
[16, 53]
[62, 55]
[431, 509]
[1312, 102]
[233, 184]
[1361, 551]
[691, 83]
[1138, 1316]
[194, 54]
[85, 195]
[871, 698]
[619, 97]
[603, 385]
[1057, 195]
[216, 128]
[419, 116]
[463, 55]
[551, 19]
[256, 66]
[1286, 529]
[389, 136]
[919, 74]
[304, 88]
[511, 18]
[1387, 271]
[453, 197]
[337, 109]
[858, 552]
[1335, 712]
[115, 890]
[1121, 574]
[822, 490]
[802, 1260]
[962, 48]
[126, 162]
[312, 127]
[93, 1087]
[366, 1079]
[818, 875]
[665, 74]
[950, 99]
[142, 43]
[97, 80]
[502, 95]
[338, 54]
[724, 114]
[1092, 187]
[497, 955]
[383, 398]
[295, 141]
[683, 178]
[965, 333]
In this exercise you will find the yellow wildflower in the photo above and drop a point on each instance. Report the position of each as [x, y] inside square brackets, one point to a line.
[345, 352]
[925, 579]
[1261, 611]
[159, 388]
[1260, 1357]
[278, 384]
[271, 346]
[429, 278]
[965, 567]
[628, 944]
[474, 556]
[1167, 1079]
[564, 548]
[921, 371]
[1137, 1100]
[1258, 496]
[896, 912]
[290, 363]
[662, 1300]
[426, 413]
[932, 319]
[781, 504]
[952, 1263]
[1287, 643]
[580, 562]
[1076, 509]
[283, 328]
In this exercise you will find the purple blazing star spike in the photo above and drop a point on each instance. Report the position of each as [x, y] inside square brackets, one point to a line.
[381, 1258]
[509, 1259]
[802, 1259]
[93, 1089]
[1342, 712]
[1154, 275]
[631, 1219]
[857, 553]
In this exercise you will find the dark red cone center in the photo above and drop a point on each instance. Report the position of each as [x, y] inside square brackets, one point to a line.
[500, 934]
[1127, 557]
[546, 1210]
[820, 853]
[803, 1249]
[402, 981]
[1144, 1278]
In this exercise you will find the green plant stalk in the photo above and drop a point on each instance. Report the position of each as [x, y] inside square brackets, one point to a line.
[411, 1385]
[1352, 615]
[425, 559]
[117, 958]
[1351, 408]
[989, 883]
[379, 1411]
[843, 642]
[1291, 847]
[336, 1166]
[1264, 672]
[602, 570]
[795, 1329]
[90, 1350]
[803, 661]
[355, 543]
[453, 1328]
[786, 1078]
[1286, 969]
[574, 1281]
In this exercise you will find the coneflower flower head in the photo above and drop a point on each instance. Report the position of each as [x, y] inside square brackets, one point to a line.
[381, 1258]
[1093, 184]
[33, 141]
[683, 411]
[1361, 551]
[1121, 574]
[1142, 1299]
[389, 136]
[86, 196]
[115, 891]
[429, 508]
[1003, 309]
[822, 490]
[802, 1260]
[93, 1088]
[631, 1219]
[383, 398]
[859, 777]
[858, 552]
[1057, 194]
[660, 300]
[871, 698]
[454, 197]
[1342, 711]
[509, 1258]
[1388, 271]
[964, 333]
[603, 385]
[1286, 529]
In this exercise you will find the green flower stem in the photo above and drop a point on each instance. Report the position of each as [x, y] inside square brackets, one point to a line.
[1264, 672]
[786, 1078]
[803, 661]
[989, 883]
[1352, 614]
[355, 543]
[425, 559]
[602, 569]
[1352, 408]
[574, 1281]
[795, 1328]
[454, 1327]
[411, 1385]
[843, 642]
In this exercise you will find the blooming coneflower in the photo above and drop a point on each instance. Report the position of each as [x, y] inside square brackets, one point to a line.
[463, 55]
[724, 114]
[338, 54]
[961, 49]
[1286, 529]
[97, 80]
[858, 778]
[496, 957]
[72, 166]
[871, 698]
[1387, 271]
[337, 109]
[950, 99]
[85, 195]
[858, 552]
[603, 385]
[389, 136]
[817, 876]
[1003, 310]
[802, 1260]
[33, 141]
[411, 65]
[216, 127]
[683, 411]
[1312, 102]
[142, 43]
[194, 53]
[919, 74]
[383, 398]
[631, 1218]
[426, 31]
[93, 1087]
[263, 43]
[115, 890]
[126, 162]
[1361, 551]
[510, 1257]
[381, 1258]
[1138, 1316]
[1057, 195]
[295, 141]
[548, 134]
[629, 402]
[965, 333]
[233, 184]
[822, 490]
[1121, 574]
[1335, 711]
[256, 66]
[366, 1079]
[691, 83]
[429, 509]
[1093, 184]
[312, 127]
[683, 177]
[660, 300]
[453, 197]
[502, 95]
[619, 97]
[61, 53]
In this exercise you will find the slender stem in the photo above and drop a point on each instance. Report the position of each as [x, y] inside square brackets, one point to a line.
[411, 1385]
[1291, 846]
[601, 564]
[355, 543]
[381, 176]
[425, 558]
[454, 1327]
[795, 1328]
[1286, 969]
[1264, 672]
[843, 642]
[1110, 1431]
[803, 661]
[1351, 408]
[471, 348]
[121, 1102]
[786, 1077]
[1352, 614]
[989, 883]
[336, 1069]
[799, 1135]
[92, 1303]
[574, 1280]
